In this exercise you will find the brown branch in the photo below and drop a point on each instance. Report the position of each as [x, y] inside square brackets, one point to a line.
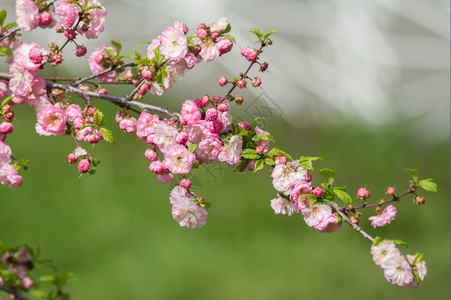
[354, 226]
[13, 291]
[411, 190]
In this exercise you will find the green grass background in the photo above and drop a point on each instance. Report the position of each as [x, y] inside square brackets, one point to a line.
[115, 231]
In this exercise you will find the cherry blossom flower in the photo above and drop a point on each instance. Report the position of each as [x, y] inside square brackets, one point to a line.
[51, 121]
[231, 152]
[190, 113]
[164, 136]
[419, 267]
[96, 21]
[283, 206]
[20, 83]
[397, 270]
[30, 57]
[384, 218]
[9, 176]
[286, 176]
[98, 62]
[174, 45]
[189, 214]
[178, 159]
[67, 14]
[383, 251]
[209, 148]
[27, 14]
[319, 216]
[178, 194]
[5, 154]
[145, 125]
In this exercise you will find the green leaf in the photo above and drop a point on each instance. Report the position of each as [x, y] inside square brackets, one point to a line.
[399, 242]
[143, 42]
[259, 164]
[74, 2]
[5, 101]
[277, 152]
[10, 25]
[95, 162]
[92, 171]
[110, 52]
[117, 46]
[269, 161]
[328, 174]
[269, 33]
[47, 278]
[250, 154]
[2, 17]
[229, 37]
[192, 148]
[39, 293]
[414, 174]
[428, 185]
[264, 137]
[98, 117]
[256, 122]
[377, 240]
[257, 33]
[241, 166]
[93, 7]
[5, 51]
[307, 161]
[161, 75]
[228, 28]
[344, 196]
[419, 257]
[107, 135]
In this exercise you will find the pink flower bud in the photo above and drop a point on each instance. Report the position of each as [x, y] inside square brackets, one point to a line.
[256, 82]
[223, 107]
[26, 282]
[103, 91]
[214, 35]
[157, 167]
[211, 114]
[317, 192]
[92, 111]
[145, 73]
[78, 123]
[6, 107]
[200, 26]
[84, 88]
[143, 89]
[419, 200]
[8, 117]
[185, 183]
[239, 99]
[263, 66]
[181, 138]
[202, 102]
[363, 193]
[6, 128]
[222, 81]
[165, 178]
[259, 149]
[201, 32]
[59, 29]
[57, 59]
[224, 45]
[151, 155]
[45, 19]
[35, 56]
[309, 177]
[244, 125]
[69, 34]
[80, 50]
[72, 158]
[249, 53]
[390, 191]
[83, 165]
[241, 83]
[280, 160]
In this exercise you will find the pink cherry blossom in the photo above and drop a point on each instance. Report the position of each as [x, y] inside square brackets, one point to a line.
[165, 178]
[83, 165]
[419, 267]
[5, 153]
[319, 216]
[185, 183]
[384, 218]
[98, 62]
[9, 176]
[21, 81]
[300, 188]
[178, 159]
[189, 214]
[383, 251]
[397, 270]
[283, 206]
[164, 136]
[209, 52]
[190, 113]
[152, 46]
[151, 155]
[286, 176]
[67, 14]
[249, 53]
[46, 19]
[73, 112]
[96, 21]
[329, 224]
[178, 194]
[198, 132]
[219, 26]
[226, 120]
[51, 121]
[145, 125]
[231, 152]
[224, 45]
[390, 191]
[208, 149]
[363, 193]
[174, 45]
[30, 57]
[128, 125]
[27, 14]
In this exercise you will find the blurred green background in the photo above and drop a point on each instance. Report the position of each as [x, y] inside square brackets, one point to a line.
[115, 231]
[363, 84]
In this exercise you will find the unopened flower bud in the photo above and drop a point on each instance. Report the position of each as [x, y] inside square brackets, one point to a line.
[419, 200]
[241, 83]
[83, 165]
[80, 50]
[157, 167]
[145, 73]
[390, 191]
[71, 158]
[378, 209]
[185, 183]
[211, 114]
[223, 107]
[69, 34]
[256, 82]
[143, 89]
[239, 99]
[281, 159]
[151, 155]
[317, 192]
[181, 138]
[202, 102]
[26, 282]
[259, 149]
[57, 59]
[263, 66]
[269, 42]
[354, 220]
[222, 81]
[363, 193]
[244, 125]
[92, 111]
[103, 91]
[45, 19]
[6, 128]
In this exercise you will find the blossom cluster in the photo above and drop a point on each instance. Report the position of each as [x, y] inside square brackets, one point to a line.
[18, 263]
[400, 270]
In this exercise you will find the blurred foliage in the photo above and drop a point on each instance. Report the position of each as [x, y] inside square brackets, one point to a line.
[115, 229]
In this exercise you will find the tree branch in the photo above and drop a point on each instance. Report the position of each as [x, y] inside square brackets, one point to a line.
[120, 101]
[12, 291]
[354, 226]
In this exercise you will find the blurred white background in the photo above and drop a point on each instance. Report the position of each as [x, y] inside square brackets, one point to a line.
[379, 61]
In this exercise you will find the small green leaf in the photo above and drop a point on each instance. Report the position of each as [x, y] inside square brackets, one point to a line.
[93, 7]
[328, 174]
[277, 152]
[5, 51]
[92, 171]
[192, 148]
[264, 137]
[269, 161]
[414, 174]
[269, 33]
[110, 52]
[307, 161]
[2, 17]
[47, 278]
[241, 166]
[344, 196]
[117, 46]
[377, 240]
[107, 135]
[250, 154]
[228, 28]
[95, 162]
[428, 185]
[257, 32]
[229, 37]
[10, 25]
[74, 2]
[419, 257]
[259, 164]
[5, 101]
[161, 75]
[40, 294]
[143, 42]
[98, 117]
[399, 242]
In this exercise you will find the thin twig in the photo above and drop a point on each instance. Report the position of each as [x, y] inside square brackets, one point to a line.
[354, 226]
[2, 37]
[110, 69]
[394, 199]
[12, 291]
